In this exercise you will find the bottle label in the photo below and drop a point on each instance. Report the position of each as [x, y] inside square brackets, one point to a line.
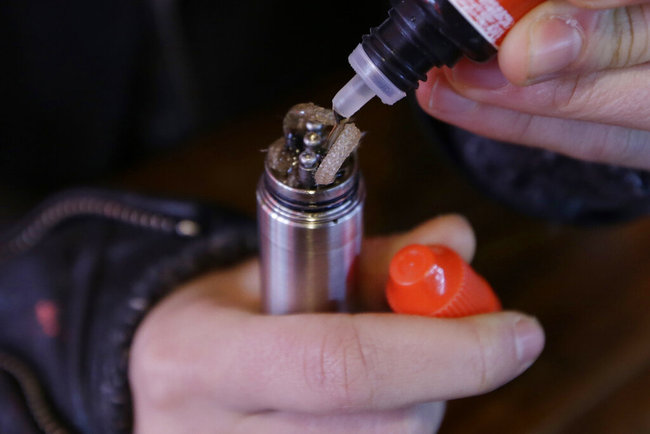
[493, 18]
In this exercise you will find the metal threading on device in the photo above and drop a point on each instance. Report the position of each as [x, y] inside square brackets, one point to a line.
[317, 198]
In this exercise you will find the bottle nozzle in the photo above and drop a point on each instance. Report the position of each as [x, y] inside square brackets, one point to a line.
[354, 95]
[368, 82]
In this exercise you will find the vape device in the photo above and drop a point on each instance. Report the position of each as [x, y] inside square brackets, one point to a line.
[310, 235]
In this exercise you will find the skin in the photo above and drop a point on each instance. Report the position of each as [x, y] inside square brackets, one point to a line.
[206, 361]
[571, 76]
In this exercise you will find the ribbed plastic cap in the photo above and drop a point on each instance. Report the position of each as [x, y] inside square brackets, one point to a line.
[435, 281]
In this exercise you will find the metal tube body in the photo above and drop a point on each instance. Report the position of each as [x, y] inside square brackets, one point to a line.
[309, 243]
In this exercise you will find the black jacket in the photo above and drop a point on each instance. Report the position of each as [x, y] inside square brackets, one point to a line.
[76, 277]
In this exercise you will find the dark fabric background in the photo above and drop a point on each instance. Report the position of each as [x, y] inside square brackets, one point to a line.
[88, 86]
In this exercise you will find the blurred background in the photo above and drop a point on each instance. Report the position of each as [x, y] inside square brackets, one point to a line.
[179, 98]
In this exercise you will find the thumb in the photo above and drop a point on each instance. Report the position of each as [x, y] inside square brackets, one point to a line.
[557, 38]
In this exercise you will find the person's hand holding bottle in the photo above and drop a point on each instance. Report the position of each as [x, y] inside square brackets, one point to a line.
[571, 76]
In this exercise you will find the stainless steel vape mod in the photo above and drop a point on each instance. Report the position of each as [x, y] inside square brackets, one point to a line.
[310, 235]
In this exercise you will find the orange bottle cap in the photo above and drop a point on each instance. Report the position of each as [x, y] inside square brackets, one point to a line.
[435, 281]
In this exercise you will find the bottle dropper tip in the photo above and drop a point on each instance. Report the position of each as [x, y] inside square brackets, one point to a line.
[354, 95]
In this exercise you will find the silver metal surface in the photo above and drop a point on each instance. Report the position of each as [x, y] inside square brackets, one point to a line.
[307, 165]
[310, 237]
[312, 140]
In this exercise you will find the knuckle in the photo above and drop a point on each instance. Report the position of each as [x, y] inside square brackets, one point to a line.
[574, 95]
[633, 150]
[153, 366]
[337, 369]
[619, 146]
[628, 35]
[598, 150]
[522, 127]
[483, 360]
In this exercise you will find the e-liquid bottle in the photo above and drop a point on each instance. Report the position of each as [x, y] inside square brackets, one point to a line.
[419, 35]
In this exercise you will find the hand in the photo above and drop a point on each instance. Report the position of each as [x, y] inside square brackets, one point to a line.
[204, 360]
[572, 76]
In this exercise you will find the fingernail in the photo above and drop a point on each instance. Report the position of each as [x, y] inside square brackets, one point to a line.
[479, 75]
[529, 340]
[555, 43]
[443, 99]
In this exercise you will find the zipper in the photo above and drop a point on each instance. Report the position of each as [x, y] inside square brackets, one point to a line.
[31, 233]
[34, 396]
[51, 216]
